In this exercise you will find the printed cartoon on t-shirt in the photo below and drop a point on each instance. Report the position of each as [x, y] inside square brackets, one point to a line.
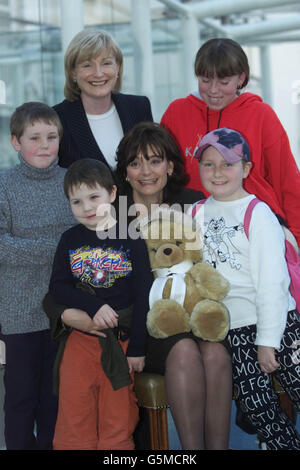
[99, 267]
[220, 244]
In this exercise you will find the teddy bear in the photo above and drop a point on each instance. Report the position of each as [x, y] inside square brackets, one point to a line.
[186, 292]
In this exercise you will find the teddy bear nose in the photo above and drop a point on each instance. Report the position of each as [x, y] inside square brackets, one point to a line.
[167, 251]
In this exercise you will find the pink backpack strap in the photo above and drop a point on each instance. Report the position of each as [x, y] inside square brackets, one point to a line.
[248, 214]
[196, 206]
[291, 253]
[293, 264]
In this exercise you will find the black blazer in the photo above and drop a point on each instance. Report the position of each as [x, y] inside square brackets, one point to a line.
[78, 140]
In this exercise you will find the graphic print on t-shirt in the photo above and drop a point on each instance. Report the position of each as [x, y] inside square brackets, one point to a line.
[99, 267]
[219, 243]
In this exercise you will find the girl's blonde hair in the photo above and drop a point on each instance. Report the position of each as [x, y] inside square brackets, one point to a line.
[87, 45]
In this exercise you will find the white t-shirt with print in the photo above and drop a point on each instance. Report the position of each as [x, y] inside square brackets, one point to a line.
[255, 267]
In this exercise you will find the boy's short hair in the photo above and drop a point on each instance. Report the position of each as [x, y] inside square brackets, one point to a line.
[90, 172]
[30, 113]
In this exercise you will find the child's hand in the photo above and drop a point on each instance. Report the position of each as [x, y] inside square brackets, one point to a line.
[94, 329]
[80, 320]
[136, 364]
[106, 317]
[266, 359]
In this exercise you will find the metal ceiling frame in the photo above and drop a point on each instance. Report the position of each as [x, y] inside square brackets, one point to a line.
[208, 12]
[212, 15]
[248, 21]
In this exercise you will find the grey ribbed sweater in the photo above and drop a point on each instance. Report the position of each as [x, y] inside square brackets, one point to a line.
[33, 214]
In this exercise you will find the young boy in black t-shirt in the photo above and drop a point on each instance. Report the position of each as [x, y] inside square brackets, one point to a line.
[107, 280]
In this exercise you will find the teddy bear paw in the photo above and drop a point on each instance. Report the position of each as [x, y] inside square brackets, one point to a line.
[210, 320]
[166, 318]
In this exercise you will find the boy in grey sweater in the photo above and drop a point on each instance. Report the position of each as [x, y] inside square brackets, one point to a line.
[33, 214]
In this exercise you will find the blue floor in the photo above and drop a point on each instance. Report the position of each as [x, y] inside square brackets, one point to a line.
[239, 440]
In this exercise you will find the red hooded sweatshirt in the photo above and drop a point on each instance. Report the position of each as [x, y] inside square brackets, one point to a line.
[274, 177]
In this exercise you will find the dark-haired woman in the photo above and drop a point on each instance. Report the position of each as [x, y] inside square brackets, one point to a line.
[150, 171]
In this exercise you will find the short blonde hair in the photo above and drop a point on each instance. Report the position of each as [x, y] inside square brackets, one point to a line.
[87, 45]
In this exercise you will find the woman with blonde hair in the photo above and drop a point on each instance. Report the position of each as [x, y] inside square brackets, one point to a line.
[95, 115]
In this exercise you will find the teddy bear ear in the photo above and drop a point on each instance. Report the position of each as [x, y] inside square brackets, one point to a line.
[168, 217]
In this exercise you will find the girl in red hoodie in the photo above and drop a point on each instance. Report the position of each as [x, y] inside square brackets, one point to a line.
[222, 70]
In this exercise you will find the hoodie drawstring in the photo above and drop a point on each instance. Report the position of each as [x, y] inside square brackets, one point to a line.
[207, 120]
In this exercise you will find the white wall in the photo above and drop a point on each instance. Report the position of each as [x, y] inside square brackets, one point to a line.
[286, 90]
